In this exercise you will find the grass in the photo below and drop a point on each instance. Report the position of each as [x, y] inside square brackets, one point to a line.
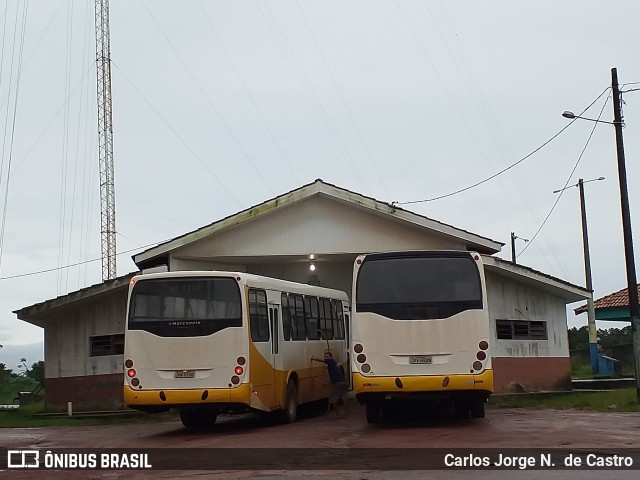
[27, 416]
[611, 401]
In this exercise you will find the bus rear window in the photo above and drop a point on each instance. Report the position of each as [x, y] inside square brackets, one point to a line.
[185, 306]
[419, 287]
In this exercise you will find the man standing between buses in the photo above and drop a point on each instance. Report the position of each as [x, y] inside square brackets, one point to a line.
[339, 387]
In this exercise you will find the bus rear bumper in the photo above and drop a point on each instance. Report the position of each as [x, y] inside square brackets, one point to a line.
[211, 397]
[368, 388]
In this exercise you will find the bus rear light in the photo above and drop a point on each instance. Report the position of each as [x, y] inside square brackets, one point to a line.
[235, 380]
[239, 371]
[135, 382]
[476, 258]
[128, 363]
[481, 355]
[131, 373]
[359, 262]
[358, 348]
[477, 365]
[241, 360]
[366, 368]
[483, 345]
[361, 358]
[238, 279]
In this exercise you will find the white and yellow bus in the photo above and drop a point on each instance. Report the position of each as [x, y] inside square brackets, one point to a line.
[216, 342]
[420, 331]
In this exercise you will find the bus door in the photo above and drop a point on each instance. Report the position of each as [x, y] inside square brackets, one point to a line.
[275, 356]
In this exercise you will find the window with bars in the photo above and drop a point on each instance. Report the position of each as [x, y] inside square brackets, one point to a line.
[521, 329]
[103, 345]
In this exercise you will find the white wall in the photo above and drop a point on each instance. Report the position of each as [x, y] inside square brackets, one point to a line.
[316, 225]
[67, 344]
[504, 296]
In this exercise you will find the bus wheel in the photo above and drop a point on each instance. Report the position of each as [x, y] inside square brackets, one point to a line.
[190, 417]
[288, 415]
[373, 413]
[461, 408]
[477, 408]
[209, 418]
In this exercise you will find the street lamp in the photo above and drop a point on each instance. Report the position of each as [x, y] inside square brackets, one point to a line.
[571, 116]
[632, 285]
[591, 316]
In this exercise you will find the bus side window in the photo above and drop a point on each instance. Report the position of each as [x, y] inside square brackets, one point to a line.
[286, 317]
[311, 317]
[338, 325]
[296, 305]
[327, 325]
[258, 317]
[302, 334]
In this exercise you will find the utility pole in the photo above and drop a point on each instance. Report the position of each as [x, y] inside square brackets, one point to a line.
[514, 237]
[513, 248]
[105, 142]
[591, 315]
[632, 285]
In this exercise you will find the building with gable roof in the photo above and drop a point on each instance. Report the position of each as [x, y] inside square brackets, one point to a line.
[84, 329]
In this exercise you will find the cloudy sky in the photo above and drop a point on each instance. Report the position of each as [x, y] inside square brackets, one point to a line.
[220, 105]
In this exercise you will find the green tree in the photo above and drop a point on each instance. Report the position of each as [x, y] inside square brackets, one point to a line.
[4, 371]
[578, 338]
[37, 372]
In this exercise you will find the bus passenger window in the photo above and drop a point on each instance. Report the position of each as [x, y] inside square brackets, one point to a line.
[286, 317]
[298, 330]
[326, 322]
[311, 317]
[258, 317]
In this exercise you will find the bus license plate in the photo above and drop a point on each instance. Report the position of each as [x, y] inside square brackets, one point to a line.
[185, 374]
[420, 359]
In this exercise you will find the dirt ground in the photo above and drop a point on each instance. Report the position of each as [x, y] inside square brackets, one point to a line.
[502, 429]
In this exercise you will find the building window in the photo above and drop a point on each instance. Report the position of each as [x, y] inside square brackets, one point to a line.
[521, 330]
[107, 345]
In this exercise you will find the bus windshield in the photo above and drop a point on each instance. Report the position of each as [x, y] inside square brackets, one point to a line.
[185, 306]
[418, 288]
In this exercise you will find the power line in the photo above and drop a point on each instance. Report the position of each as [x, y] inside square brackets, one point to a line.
[177, 135]
[536, 150]
[20, 275]
[566, 183]
[209, 101]
[249, 95]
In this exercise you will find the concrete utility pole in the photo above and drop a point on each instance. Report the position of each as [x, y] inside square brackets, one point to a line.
[591, 314]
[591, 317]
[632, 284]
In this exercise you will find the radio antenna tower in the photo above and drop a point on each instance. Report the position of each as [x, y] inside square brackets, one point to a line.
[105, 142]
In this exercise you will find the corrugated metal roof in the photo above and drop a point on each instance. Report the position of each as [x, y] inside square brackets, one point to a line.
[28, 312]
[613, 300]
[570, 292]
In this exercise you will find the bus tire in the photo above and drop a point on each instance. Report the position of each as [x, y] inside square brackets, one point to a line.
[190, 417]
[209, 418]
[477, 408]
[288, 415]
[373, 412]
[461, 409]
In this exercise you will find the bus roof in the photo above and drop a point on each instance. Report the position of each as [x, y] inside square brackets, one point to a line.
[252, 280]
